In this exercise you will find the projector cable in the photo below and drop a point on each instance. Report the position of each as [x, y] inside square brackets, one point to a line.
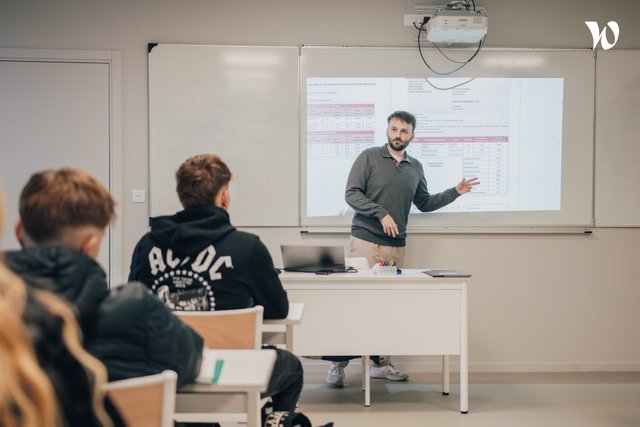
[420, 30]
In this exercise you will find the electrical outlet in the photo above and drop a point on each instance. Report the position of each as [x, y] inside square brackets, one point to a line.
[138, 196]
[409, 20]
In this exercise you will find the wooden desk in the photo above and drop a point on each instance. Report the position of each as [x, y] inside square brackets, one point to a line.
[361, 314]
[236, 396]
[280, 331]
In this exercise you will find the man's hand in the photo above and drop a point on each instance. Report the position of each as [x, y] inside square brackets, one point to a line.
[389, 226]
[465, 185]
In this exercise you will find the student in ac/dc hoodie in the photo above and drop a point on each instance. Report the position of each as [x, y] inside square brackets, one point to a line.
[196, 260]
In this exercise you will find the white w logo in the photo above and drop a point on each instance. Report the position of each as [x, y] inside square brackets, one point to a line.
[602, 36]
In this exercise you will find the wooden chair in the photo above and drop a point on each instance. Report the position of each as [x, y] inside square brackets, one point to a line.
[147, 401]
[227, 329]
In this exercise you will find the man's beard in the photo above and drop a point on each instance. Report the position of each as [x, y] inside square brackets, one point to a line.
[400, 147]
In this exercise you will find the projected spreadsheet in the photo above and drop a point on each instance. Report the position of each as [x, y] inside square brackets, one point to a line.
[496, 129]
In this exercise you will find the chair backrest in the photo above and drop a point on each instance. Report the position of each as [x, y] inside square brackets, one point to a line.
[147, 401]
[227, 329]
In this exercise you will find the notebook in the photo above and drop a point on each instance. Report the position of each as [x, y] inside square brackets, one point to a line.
[210, 367]
[446, 273]
[313, 259]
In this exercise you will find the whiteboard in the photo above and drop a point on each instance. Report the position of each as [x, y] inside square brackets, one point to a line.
[247, 104]
[617, 139]
[576, 67]
[238, 102]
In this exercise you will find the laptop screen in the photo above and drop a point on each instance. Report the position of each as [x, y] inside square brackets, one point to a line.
[313, 258]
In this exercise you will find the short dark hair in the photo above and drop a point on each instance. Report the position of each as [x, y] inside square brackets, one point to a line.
[405, 117]
[200, 178]
[55, 199]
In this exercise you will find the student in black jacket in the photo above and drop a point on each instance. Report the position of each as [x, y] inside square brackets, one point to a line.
[46, 378]
[63, 216]
[196, 260]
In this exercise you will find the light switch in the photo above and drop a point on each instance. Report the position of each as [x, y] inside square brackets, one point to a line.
[138, 196]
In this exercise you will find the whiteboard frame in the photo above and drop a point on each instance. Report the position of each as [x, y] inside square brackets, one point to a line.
[586, 221]
[447, 222]
[173, 84]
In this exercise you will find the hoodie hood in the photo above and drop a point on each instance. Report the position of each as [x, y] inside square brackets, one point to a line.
[68, 273]
[191, 230]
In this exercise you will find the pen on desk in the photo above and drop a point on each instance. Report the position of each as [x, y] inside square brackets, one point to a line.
[218, 369]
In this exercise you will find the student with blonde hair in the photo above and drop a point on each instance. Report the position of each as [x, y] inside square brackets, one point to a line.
[26, 395]
[47, 379]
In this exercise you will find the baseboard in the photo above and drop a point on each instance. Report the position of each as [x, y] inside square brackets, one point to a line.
[311, 365]
[608, 367]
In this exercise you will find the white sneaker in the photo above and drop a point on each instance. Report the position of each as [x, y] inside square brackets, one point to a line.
[335, 375]
[388, 372]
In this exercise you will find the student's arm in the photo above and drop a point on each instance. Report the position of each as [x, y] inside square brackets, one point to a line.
[267, 290]
[135, 335]
[173, 344]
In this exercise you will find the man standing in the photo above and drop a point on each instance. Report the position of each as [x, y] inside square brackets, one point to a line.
[196, 260]
[382, 184]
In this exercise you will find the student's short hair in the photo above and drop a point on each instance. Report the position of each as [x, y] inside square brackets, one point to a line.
[200, 178]
[405, 117]
[53, 200]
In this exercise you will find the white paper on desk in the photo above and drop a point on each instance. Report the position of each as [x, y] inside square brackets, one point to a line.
[207, 367]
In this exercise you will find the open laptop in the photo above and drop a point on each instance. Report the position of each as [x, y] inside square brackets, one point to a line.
[313, 259]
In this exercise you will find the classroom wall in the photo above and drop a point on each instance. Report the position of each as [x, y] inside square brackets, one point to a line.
[536, 303]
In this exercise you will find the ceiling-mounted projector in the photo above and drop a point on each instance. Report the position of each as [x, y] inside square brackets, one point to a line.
[457, 26]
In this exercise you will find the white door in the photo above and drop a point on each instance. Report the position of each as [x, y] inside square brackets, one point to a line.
[53, 113]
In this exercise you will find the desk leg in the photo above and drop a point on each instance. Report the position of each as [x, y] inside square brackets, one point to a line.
[446, 371]
[464, 355]
[253, 409]
[288, 336]
[366, 381]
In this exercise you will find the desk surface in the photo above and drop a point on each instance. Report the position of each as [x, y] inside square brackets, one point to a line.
[293, 317]
[408, 277]
[410, 274]
[242, 368]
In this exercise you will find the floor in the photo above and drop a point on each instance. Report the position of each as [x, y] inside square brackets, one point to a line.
[523, 400]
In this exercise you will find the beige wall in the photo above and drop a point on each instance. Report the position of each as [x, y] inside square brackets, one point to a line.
[537, 302]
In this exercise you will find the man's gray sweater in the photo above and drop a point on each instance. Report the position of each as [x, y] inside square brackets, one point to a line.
[378, 185]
